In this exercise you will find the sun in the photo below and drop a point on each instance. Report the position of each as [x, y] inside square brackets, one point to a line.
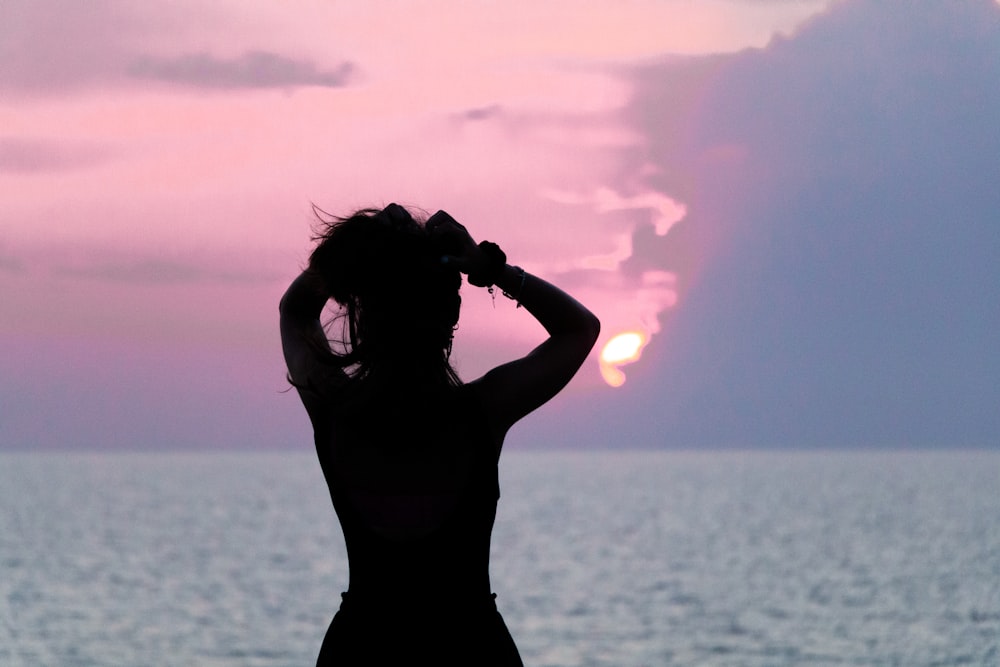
[622, 349]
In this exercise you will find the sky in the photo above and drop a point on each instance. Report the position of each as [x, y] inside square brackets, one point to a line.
[789, 208]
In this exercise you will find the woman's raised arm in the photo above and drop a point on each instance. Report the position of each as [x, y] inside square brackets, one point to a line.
[514, 389]
[302, 335]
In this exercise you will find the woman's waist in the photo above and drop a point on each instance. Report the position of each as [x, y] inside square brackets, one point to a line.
[433, 606]
[457, 583]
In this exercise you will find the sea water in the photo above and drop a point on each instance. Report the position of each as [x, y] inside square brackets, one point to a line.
[601, 558]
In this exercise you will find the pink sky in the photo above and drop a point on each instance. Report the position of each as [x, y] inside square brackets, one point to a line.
[157, 164]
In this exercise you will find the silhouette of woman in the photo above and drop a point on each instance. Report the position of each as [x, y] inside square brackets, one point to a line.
[408, 450]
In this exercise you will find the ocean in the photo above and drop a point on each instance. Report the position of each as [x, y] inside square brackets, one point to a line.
[613, 559]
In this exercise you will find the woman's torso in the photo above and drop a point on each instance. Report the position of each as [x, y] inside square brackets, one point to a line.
[414, 483]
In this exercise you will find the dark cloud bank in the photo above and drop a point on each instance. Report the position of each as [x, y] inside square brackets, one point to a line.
[844, 185]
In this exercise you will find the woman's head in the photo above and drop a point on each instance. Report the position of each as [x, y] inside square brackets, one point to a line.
[400, 302]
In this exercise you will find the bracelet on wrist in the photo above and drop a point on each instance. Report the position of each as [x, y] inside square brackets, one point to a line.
[516, 296]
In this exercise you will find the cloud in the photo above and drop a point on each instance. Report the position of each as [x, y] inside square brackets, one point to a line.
[10, 263]
[842, 222]
[159, 271]
[254, 69]
[481, 113]
[60, 47]
[105, 264]
[18, 155]
[664, 210]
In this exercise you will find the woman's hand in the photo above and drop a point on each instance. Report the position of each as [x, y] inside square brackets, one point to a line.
[457, 246]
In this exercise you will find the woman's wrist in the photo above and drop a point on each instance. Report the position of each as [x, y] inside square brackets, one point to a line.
[511, 282]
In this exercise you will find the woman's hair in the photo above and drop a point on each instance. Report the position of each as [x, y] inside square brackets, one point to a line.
[399, 302]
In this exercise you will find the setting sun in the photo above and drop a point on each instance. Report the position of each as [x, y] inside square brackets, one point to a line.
[622, 349]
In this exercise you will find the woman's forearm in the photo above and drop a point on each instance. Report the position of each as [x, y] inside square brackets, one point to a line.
[554, 309]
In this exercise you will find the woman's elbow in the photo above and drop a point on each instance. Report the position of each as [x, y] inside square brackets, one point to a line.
[286, 301]
[592, 328]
